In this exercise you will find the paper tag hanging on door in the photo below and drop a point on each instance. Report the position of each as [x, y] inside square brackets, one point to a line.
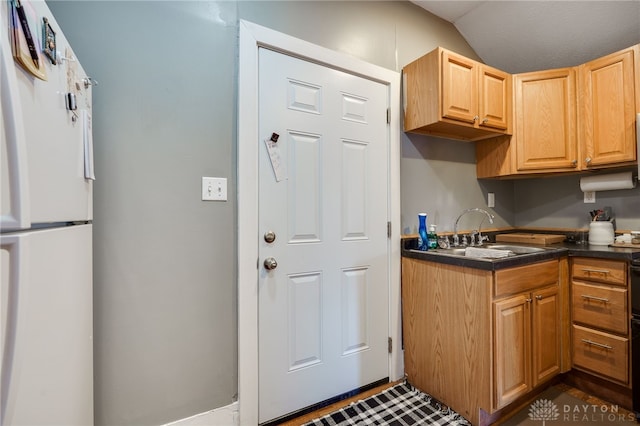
[279, 168]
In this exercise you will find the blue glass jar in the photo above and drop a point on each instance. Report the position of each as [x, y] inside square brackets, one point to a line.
[423, 242]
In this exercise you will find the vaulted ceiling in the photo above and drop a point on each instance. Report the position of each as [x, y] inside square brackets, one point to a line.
[520, 36]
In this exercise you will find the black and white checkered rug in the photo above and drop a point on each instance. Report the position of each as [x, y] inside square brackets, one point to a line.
[399, 405]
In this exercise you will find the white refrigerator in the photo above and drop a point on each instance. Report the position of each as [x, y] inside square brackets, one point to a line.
[46, 315]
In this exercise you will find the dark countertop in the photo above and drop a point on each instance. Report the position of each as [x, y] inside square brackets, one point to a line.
[553, 251]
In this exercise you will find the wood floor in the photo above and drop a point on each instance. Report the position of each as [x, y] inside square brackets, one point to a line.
[336, 406]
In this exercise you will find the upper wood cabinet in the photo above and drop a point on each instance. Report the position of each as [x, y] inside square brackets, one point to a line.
[570, 119]
[448, 95]
[544, 131]
[608, 107]
[545, 120]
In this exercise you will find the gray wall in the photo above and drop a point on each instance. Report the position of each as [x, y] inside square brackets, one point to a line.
[165, 115]
[164, 283]
[558, 202]
[438, 177]
[165, 326]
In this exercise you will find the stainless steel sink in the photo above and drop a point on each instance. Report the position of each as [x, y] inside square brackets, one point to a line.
[453, 251]
[516, 249]
[496, 251]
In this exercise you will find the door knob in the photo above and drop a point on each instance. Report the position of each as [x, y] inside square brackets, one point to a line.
[270, 263]
[269, 236]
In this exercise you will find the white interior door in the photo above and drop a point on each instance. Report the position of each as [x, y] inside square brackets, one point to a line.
[323, 311]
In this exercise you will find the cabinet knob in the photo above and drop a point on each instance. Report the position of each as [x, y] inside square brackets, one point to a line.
[485, 120]
[574, 163]
[538, 297]
[587, 160]
[529, 300]
[475, 118]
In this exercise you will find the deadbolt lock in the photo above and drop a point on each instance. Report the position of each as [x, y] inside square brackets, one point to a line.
[269, 236]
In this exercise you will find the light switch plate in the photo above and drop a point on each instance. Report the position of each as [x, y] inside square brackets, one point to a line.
[214, 189]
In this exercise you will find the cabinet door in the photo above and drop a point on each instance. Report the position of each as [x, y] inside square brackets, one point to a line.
[609, 109]
[512, 348]
[545, 123]
[459, 88]
[494, 108]
[546, 334]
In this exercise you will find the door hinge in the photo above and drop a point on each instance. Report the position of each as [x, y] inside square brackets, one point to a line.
[390, 344]
[388, 229]
[388, 115]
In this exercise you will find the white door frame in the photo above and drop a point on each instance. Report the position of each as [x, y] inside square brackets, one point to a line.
[252, 37]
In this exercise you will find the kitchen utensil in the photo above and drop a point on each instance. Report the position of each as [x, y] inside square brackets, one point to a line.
[601, 233]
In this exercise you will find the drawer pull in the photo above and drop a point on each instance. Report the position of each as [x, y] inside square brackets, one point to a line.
[600, 345]
[599, 299]
[597, 271]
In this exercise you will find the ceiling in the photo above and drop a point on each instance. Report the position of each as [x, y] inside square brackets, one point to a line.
[519, 36]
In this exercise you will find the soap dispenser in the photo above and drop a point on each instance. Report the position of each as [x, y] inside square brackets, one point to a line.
[432, 237]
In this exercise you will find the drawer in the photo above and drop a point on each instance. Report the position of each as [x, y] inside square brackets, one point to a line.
[600, 306]
[601, 353]
[600, 270]
[525, 278]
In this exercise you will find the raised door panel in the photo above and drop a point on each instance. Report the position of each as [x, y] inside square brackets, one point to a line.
[495, 98]
[545, 127]
[609, 109]
[546, 334]
[459, 88]
[512, 349]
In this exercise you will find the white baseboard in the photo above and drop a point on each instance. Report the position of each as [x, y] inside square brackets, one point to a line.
[223, 416]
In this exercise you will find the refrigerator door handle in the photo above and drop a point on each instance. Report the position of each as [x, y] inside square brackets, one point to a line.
[12, 287]
[13, 136]
[87, 137]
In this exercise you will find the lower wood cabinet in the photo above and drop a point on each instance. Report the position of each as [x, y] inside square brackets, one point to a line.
[477, 340]
[527, 342]
[600, 317]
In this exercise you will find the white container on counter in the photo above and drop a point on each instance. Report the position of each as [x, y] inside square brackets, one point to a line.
[601, 233]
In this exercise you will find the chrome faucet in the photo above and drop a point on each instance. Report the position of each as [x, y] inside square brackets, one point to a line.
[480, 237]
